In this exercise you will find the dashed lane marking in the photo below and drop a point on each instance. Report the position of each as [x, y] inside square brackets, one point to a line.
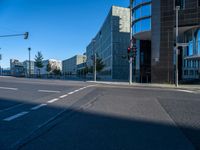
[9, 88]
[187, 91]
[53, 100]
[71, 93]
[48, 91]
[41, 105]
[16, 116]
[38, 106]
[63, 96]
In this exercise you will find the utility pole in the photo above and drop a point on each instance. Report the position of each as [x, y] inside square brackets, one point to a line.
[131, 44]
[29, 50]
[177, 10]
[94, 61]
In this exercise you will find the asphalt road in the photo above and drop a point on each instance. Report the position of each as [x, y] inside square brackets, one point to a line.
[75, 115]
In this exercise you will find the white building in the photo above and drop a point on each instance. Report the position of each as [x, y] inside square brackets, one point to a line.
[54, 64]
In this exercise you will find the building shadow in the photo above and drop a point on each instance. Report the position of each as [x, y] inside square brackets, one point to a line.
[80, 128]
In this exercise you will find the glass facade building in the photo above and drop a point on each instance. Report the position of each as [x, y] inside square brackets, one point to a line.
[141, 16]
[191, 61]
[154, 29]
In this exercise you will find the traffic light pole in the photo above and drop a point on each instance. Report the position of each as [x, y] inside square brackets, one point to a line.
[29, 50]
[131, 45]
[177, 9]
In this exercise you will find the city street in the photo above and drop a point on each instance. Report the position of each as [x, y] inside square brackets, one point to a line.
[38, 114]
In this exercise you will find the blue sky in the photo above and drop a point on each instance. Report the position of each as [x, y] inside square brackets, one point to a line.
[58, 28]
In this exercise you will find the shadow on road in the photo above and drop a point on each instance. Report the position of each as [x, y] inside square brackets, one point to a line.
[82, 129]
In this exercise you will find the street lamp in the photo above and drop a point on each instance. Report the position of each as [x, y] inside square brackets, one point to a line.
[131, 44]
[29, 50]
[177, 10]
[94, 61]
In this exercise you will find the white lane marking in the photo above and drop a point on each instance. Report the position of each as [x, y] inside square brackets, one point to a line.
[187, 91]
[71, 93]
[9, 88]
[48, 91]
[16, 116]
[38, 106]
[53, 100]
[63, 96]
[76, 90]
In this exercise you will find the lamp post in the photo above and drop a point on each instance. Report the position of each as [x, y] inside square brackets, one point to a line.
[94, 61]
[177, 10]
[29, 50]
[131, 45]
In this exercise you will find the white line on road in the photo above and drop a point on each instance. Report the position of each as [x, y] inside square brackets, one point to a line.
[53, 100]
[38, 106]
[16, 116]
[48, 91]
[187, 91]
[63, 96]
[71, 93]
[9, 88]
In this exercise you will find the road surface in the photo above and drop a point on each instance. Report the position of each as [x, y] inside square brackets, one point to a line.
[74, 115]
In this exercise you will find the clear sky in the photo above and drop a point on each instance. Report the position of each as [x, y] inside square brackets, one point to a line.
[59, 29]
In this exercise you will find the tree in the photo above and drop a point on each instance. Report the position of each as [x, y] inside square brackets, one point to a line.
[57, 71]
[48, 68]
[39, 61]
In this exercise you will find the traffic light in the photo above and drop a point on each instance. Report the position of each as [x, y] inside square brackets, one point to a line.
[128, 52]
[134, 52]
[26, 34]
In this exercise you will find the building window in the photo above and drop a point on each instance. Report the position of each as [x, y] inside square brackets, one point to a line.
[198, 2]
[180, 3]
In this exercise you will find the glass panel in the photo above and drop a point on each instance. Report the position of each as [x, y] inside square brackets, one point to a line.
[198, 42]
[146, 25]
[190, 48]
[180, 3]
[138, 13]
[137, 2]
[146, 10]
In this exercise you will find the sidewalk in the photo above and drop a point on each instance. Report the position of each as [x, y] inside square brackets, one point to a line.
[181, 86]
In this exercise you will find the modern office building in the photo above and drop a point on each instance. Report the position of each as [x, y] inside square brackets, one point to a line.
[69, 66]
[154, 26]
[110, 44]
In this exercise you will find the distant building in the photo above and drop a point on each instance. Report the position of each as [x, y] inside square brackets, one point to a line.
[26, 67]
[6, 72]
[69, 66]
[111, 43]
[54, 64]
[16, 68]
